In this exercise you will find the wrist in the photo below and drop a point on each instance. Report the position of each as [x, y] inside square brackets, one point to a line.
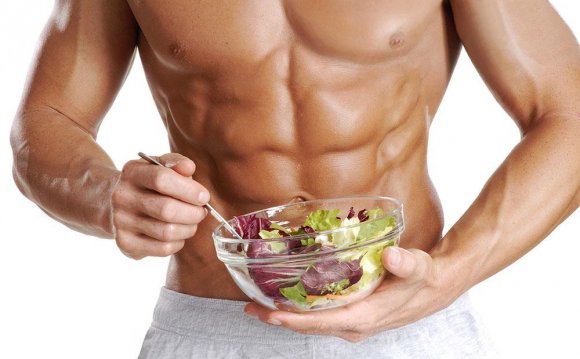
[108, 222]
[451, 275]
[97, 211]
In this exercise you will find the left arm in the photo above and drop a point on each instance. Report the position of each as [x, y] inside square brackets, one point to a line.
[531, 62]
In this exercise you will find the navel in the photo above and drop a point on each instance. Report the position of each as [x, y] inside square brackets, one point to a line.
[297, 199]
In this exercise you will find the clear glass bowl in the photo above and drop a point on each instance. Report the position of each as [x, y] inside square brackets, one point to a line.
[313, 269]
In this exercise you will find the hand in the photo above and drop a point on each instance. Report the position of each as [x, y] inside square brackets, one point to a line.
[155, 209]
[409, 294]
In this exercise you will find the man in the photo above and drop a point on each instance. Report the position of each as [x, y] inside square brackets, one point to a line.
[270, 102]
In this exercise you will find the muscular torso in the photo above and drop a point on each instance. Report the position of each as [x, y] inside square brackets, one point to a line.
[280, 101]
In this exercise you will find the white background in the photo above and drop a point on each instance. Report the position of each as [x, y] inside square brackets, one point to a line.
[66, 295]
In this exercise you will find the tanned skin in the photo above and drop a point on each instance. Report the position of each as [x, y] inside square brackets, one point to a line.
[270, 102]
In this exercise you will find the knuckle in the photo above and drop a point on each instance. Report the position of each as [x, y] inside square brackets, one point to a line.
[165, 249]
[168, 248]
[136, 257]
[116, 218]
[128, 245]
[167, 211]
[127, 169]
[168, 231]
[128, 250]
[117, 196]
[199, 213]
[121, 215]
[123, 243]
[185, 231]
[193, 230]
[160, 180]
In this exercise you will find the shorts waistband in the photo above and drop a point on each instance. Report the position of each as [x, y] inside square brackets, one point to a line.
[210, 318]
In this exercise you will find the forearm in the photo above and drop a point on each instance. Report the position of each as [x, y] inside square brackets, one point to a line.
[534, 190]
[60, 167]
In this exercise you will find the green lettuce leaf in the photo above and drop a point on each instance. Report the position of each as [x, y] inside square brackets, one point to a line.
[296, 293]
[375, 228]
[278, 226]
[336, 286]
[265, 234]
[346, 237]
[307, 242]
[275, 246]
[323, 220]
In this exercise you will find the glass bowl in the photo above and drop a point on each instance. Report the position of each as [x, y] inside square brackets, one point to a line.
[311, 255]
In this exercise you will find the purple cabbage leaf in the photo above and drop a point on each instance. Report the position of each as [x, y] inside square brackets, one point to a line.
[331, 276]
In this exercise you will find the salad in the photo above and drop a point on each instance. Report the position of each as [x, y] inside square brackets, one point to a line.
[329, 261]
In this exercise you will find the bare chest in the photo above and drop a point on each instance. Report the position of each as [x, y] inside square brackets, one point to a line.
[207, 36]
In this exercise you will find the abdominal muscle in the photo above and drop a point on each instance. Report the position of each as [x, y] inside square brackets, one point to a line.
[255, 161]
[293, 125]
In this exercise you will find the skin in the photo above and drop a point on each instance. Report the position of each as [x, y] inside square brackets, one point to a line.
[270, 102]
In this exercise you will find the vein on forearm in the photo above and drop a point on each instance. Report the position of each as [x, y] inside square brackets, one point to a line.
[59, 166]
[534, 190]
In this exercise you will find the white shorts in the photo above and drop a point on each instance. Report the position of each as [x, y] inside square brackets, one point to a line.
[191, 327]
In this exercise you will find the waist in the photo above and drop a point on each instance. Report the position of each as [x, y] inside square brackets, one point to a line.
[220, 319]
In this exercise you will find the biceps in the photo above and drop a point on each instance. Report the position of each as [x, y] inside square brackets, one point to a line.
[85, 53]
[525, 53]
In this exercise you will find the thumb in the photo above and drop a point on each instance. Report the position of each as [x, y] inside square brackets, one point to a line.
[179, 163]
[412, 264]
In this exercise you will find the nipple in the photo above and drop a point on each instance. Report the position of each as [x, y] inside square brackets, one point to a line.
[176, 50]
[397, 40]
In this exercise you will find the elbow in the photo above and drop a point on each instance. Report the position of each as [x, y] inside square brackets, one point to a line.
[20, 159]
[20, 183]
[567, 119]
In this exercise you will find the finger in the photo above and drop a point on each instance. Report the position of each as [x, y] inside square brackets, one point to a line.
[171, 210]
[153, 228]
[168, 182]
[179, 163]
[140, 246]
[328, 322]
[410, 264]
[162, 208]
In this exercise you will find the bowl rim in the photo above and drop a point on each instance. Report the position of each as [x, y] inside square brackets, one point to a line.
[397, 212]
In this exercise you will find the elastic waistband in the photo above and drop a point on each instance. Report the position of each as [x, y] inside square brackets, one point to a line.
[209, 318]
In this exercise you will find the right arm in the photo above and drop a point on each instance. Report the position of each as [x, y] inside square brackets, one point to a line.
[86, 52]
